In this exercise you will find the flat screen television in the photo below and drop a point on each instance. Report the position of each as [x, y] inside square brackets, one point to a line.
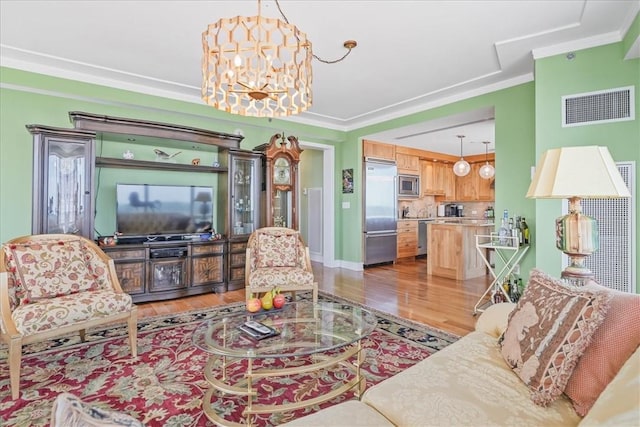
[151, 209]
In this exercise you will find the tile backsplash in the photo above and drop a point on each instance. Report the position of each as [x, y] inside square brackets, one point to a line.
[427, 207]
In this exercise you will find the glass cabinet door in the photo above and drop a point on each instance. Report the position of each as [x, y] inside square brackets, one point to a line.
[63, 185]
[245, 192]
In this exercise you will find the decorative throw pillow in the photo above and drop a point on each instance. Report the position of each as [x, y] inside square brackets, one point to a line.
[277, 250]
[49, 269]
[548, 331]
[613, 343]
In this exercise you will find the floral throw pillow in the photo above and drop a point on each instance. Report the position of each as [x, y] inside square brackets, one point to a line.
[277, 250]
[548, 331]
[49, 269]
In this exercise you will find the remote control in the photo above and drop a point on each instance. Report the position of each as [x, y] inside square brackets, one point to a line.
[257, 327]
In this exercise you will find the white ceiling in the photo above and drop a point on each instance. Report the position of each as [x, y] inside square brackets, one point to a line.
[411, 55]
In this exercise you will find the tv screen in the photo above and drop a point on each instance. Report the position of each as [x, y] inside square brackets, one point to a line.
[150, 209]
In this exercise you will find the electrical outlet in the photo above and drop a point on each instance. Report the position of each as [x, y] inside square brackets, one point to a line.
[516, 269]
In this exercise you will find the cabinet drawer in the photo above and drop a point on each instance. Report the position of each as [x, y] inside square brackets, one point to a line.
[207, 249]
[238, 246]
[125, 253]
[237, 273]
[238, 259]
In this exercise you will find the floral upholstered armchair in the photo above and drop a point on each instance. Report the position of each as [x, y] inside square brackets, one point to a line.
[54, 284]
[277, 257]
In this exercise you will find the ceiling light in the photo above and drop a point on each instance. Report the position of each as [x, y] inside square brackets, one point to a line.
[486, 171]
[461, 168]
[258, 66]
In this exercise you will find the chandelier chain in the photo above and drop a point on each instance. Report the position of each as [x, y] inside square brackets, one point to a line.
[349, 45]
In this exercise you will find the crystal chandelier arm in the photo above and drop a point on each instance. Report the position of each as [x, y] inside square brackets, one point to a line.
[349, 44]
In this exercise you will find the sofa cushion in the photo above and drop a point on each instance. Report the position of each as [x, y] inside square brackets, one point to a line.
[269, 278]
[49, 269]
[277, 250]
[352, 413]
[548, 331]
[619, 403]
[467, 383]
[614, 341]
[53, 313]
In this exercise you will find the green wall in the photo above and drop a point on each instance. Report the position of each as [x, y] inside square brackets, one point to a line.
[591, 70]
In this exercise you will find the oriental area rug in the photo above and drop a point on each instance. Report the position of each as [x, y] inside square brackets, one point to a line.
[165, 385]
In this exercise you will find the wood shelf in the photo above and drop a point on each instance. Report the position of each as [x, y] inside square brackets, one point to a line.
[110, 162]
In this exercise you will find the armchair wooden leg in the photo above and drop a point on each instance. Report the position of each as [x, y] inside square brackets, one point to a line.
[133, 332]
[315, 293]
[15, 361]
[83, 335]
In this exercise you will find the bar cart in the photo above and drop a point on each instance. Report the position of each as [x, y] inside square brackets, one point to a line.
[510, 252]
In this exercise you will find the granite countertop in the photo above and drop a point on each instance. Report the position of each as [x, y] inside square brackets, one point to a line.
[467, 222]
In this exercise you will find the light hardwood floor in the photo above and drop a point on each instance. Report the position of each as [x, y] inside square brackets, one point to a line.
[404, 290]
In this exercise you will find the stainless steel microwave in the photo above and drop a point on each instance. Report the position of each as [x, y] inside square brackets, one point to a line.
[408, 186]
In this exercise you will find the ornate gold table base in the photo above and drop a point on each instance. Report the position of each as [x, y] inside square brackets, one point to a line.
[216, 374]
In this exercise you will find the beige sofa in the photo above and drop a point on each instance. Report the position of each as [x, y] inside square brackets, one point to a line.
[469, 384]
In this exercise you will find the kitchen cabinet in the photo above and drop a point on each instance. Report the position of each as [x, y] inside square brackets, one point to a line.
[452, 250]
[445, 183]
[407, 164]
[486, 190]
[378, 150]
[428, 179]
[472, 187]
[407, 245]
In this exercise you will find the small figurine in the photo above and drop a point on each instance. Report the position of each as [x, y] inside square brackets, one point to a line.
[161, 155]
[128, 155]
[195, 161]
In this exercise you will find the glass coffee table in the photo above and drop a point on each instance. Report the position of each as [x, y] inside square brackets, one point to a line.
[324, 335]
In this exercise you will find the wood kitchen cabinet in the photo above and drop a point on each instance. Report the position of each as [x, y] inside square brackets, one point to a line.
[407, 164]
[407, 238]
[446, 180]
[486, 190]
[428, 180]
[472, 187]
[378, 150]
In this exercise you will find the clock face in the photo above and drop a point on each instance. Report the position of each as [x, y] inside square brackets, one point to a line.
[281, 171]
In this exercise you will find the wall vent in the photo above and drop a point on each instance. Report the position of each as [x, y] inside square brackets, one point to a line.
[611, 105]
[614, 262]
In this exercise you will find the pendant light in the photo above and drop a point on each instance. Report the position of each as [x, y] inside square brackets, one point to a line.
[461, 168]
[487, 171]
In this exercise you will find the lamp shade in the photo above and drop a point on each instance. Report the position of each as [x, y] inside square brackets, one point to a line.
[584, 172]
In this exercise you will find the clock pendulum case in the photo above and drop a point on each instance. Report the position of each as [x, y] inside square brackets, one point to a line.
[281, 181]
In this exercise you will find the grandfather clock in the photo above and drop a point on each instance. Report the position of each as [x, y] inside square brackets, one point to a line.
[281, 181]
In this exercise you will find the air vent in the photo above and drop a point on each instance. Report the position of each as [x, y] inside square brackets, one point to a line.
[612, 105]
[614, 263]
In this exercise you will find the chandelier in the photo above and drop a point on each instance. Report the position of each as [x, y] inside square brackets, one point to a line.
[486, 171]
[461, 168]
[258, 66]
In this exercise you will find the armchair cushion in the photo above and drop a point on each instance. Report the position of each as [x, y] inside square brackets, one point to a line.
[269, 278]
[51, 314]
[277, 250]
[45, 270]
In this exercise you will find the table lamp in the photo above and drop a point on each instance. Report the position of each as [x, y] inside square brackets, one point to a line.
[577, 173]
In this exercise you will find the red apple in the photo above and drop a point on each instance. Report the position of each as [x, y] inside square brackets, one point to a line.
[279, 300]
[253, 304]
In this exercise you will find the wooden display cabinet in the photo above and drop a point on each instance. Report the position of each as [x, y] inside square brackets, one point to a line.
[207, 265]
[378, 150]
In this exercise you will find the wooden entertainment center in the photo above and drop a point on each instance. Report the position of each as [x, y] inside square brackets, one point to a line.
[158, 267]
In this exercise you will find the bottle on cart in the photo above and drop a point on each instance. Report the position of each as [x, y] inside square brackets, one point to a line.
[503, 231]
[515, 291]
[525, 231]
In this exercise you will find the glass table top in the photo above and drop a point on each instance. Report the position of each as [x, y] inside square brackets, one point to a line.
[302, 328]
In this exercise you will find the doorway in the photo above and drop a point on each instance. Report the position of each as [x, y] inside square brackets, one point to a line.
[326, 200]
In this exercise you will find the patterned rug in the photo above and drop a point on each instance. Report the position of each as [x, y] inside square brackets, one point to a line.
[165, 385]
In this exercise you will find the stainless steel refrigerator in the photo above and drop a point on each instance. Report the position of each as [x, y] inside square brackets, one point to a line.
[380, 212]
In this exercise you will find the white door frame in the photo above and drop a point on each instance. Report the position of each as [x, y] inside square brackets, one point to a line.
[328, 200]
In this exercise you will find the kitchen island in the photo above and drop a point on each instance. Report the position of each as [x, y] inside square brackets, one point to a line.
[451, 246]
